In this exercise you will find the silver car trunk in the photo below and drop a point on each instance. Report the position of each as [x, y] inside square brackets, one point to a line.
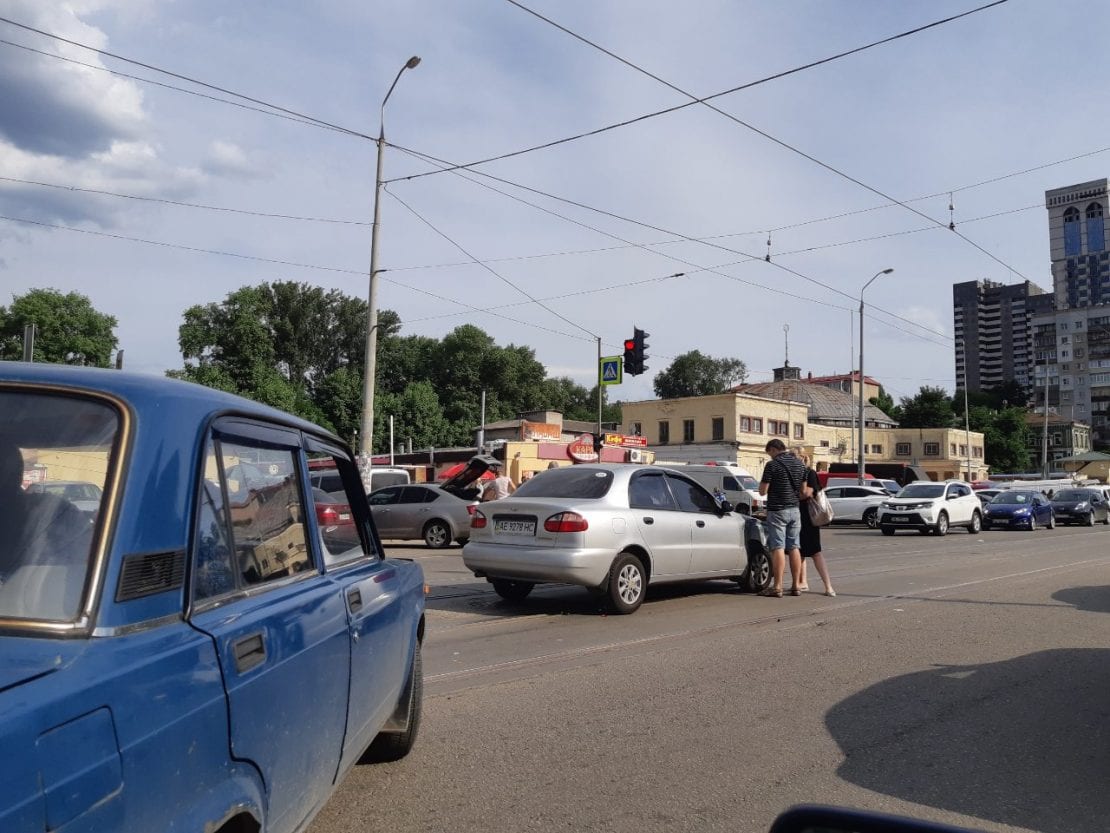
[519, 522]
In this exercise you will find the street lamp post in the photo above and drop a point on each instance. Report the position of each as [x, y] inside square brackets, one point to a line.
[366, 435]
[859, 473]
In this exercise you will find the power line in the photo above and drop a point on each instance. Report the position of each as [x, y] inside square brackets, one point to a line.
[487, 267]
[274, 107]
[678, 107]
[783, 144]
[181, 204]
[603, 212]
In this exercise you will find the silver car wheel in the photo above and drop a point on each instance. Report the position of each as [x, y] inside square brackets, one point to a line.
[630, 584]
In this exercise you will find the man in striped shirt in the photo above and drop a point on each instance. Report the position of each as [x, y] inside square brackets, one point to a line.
[782, 479]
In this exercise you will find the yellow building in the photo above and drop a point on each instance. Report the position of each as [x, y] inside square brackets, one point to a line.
[736, 426]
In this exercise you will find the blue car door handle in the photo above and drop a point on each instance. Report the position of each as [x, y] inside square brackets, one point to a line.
[250, 651]
[354, 599]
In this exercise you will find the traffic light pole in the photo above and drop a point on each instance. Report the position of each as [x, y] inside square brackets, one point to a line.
[599, 389]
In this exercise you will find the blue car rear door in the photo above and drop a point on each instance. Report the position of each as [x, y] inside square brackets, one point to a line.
[279, 625]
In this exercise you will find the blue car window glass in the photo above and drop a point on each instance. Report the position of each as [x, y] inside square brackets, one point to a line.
[268, 518]
[337, 520]
[213, 574]
[46, 539]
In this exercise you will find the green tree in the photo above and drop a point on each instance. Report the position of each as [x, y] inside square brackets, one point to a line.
[931, 408]
[885, 403]
[68, 329]
[695, 374]
[1004, 436]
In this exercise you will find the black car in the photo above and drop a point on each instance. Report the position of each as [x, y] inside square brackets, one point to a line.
[1080, 506]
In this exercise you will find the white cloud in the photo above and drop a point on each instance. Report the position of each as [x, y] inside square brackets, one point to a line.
[227, 159]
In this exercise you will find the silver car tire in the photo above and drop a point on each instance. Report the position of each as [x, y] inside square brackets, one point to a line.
[627, 583]
[437, 534]
[1090, 519]
[759, 573]
[942, 524]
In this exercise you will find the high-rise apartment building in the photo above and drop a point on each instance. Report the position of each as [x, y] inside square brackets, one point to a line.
[1072, 343]
[993, 326]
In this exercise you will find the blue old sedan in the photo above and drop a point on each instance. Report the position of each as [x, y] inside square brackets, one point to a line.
[198, 652]
[1020, 509]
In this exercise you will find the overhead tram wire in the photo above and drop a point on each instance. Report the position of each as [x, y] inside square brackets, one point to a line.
[433, 160]
[683, 106]
[487, 267]
[785, 145]
[259, 258]
[272, 109]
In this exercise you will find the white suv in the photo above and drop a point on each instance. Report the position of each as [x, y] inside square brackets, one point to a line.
[932, 507]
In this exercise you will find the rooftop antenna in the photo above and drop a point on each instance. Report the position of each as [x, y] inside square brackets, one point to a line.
[786, 338]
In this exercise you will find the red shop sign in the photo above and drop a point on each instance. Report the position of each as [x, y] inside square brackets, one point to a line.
[582, 449]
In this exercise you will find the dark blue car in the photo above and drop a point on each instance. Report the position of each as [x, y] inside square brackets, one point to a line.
[198, 652]
[1018, 509]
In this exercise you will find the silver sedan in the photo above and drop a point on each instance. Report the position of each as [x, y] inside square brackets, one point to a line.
[611, 528]
[422, 510]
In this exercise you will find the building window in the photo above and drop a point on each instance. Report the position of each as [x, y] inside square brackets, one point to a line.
[635, 428]
[876, 449]
[977, 451]
[746, 424]
[932, 449]
[664, 432]
[951, 449]
[901, 449]
[687, 430]
[1071, 232]
[1056, 440]
[778, 428]
[757, 425]
[718, 428]
[963, 450]
[824, 443]
[1095, 236]
[799, 431]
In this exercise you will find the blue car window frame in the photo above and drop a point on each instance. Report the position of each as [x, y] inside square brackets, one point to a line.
[359, 505]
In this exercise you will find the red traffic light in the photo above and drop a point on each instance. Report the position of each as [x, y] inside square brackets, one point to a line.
[629, 344]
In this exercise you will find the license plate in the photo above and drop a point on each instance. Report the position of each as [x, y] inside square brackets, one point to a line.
[515, 527]
[344, 517]
[899, 520]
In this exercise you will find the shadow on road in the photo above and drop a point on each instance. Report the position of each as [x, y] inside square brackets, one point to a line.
[1094, 599]
[1022, 742]
[556, 599]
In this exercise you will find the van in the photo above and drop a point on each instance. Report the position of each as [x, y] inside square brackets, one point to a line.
[329, 481]
[733, 481]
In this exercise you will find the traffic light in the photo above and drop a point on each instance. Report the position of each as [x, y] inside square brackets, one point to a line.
[635, 352]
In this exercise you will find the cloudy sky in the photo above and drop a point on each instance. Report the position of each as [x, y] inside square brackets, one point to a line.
[149, 199]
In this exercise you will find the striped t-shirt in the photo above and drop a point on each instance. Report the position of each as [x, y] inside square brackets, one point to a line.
[784, 475]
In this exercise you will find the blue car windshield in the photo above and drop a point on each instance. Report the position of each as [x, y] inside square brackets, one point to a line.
[1013, 497]
[46, 534]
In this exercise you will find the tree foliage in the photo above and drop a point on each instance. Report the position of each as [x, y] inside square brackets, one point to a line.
[931, 408]
[68, 329]
[695, 374]
[301, 348]
[1004, 436]
[885, 403]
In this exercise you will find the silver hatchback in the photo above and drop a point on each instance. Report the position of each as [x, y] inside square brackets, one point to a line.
[611, 528]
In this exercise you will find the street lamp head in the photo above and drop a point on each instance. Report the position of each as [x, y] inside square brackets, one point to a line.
[884, 272]
[412, 62]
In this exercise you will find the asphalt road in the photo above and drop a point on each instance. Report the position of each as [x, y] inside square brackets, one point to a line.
[963, 679]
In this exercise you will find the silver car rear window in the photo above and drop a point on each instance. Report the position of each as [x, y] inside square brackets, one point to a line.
[568, 482]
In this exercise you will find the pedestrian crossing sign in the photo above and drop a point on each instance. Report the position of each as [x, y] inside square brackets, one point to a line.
[611, 371]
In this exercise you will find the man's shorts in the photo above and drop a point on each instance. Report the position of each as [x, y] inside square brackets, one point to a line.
[783, 526]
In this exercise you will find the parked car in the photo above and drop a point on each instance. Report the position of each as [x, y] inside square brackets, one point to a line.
[932, 507]
[328, 478]
[437, 513]
[1080, 506]
[200, 657]
[612, 528]
[828, 480]
[85, 496]
[1018, 508]
[856, 504]
[986, 495]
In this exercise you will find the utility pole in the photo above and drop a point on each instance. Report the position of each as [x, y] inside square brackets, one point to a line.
[29, 343]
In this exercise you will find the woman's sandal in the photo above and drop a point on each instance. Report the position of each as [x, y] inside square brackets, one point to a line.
[771, 591]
